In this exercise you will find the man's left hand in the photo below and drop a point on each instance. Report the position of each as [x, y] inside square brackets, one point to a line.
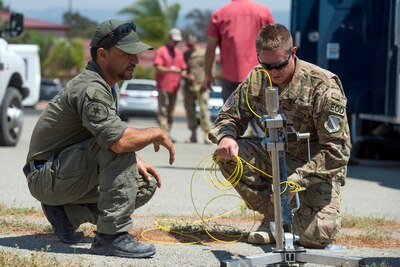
[147, 170]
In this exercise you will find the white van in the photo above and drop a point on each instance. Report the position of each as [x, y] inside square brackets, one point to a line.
[30, 55]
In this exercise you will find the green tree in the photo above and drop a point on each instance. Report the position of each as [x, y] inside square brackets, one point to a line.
[153, 18]
[65, 59]
[44, 41]
[197, 23]
[79, 26]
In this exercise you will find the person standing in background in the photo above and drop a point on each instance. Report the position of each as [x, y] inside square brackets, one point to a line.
[170, 67]
[233, 28]
[194, 58]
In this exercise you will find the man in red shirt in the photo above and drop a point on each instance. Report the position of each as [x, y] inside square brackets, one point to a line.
[233, 28]
[170, 67]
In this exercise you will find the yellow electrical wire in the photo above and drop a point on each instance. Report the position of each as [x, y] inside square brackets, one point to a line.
[248, 86]
[223, 184]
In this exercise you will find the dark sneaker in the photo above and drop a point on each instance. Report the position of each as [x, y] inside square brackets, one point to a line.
[121, 245]
[61, 225]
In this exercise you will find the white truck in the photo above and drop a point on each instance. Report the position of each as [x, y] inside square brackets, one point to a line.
[30, 55]
[12, 80]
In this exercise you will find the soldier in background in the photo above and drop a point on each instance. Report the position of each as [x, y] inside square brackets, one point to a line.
[313, 99]
[193, 90]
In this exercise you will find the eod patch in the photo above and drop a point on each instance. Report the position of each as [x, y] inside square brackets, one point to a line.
[336, 112]
[337, 108]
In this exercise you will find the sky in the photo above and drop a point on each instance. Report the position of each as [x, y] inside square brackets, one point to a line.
[99, 10]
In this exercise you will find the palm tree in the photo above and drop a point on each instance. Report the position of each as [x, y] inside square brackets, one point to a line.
[153, 18]
[197, 23]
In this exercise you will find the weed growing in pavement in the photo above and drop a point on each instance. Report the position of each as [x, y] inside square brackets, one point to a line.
[366, 222]
[35, 259]
[356, 231]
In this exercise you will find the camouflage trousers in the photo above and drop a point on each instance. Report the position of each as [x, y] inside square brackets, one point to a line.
[166, 108]
[317, 222]
[94, 185]
[190, 98]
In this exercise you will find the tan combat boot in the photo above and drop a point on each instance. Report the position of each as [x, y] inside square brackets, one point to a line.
[263, 234]
[206, 139]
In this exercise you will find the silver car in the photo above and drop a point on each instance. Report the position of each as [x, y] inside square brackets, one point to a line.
[215, 103]
[138, 97]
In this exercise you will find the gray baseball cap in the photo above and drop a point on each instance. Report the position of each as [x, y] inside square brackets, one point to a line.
[124, 37]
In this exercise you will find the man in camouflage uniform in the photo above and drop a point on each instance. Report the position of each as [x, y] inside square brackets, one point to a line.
[193, 90]
[82, 164]
[313, 100]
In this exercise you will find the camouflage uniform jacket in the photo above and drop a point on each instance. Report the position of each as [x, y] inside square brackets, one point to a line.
[314, 102]
[195, 63]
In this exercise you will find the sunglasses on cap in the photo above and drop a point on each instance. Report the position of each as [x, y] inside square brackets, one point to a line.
[275, 66]
[117, 34]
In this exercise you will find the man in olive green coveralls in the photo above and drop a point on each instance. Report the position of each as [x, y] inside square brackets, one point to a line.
[82, 163]
[313, 100]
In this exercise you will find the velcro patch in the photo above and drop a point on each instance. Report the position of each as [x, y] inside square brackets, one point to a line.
[96, 112]
[337, 109]
[228, 104]
[332, 125]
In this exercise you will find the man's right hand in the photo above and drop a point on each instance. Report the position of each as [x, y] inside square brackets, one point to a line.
[208, 81]
[228, 148]
[166, 142]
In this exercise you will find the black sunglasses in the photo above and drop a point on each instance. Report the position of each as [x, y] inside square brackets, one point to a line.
[117, 34]
[276, 66]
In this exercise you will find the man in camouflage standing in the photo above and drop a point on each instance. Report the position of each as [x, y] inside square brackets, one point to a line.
[313, 100]
[193, 90]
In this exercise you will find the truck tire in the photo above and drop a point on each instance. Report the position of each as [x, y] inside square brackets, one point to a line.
[11, 117]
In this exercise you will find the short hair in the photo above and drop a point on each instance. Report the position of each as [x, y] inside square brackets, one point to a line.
[191, 38]
[93, 52]
[273, 37]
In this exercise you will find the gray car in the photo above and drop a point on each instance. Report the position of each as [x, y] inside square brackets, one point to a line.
[49, 88]
[138, 97]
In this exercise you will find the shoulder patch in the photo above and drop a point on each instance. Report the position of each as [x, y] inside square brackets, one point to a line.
[99, 95]
[337, 108]
[96, 112]
[332, 124]
[228, 104]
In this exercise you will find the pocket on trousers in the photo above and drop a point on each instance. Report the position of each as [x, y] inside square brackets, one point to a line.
[71, 162]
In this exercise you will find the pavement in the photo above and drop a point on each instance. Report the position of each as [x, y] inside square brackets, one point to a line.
[372, 189]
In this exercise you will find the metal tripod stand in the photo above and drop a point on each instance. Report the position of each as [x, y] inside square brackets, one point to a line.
[285, 253]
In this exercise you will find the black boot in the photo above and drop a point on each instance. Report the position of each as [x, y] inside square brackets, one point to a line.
[121, 245]
[61, 225]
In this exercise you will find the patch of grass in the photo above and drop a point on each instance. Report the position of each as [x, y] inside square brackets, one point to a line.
[14, 220]
[6, 211]
[366, 222]
[20, 224]
[36, 259]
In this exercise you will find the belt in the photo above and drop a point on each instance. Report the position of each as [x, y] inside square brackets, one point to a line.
[32, 165]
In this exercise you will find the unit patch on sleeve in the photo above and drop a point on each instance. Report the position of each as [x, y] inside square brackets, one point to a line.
[229, 103]
[96, 112]
[332, 124]
[337, 109]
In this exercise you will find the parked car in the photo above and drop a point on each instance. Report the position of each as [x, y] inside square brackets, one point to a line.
[138, 97]
[49, 88]
[215, 103]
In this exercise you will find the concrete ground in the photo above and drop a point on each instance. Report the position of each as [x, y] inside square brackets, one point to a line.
[372, 189]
